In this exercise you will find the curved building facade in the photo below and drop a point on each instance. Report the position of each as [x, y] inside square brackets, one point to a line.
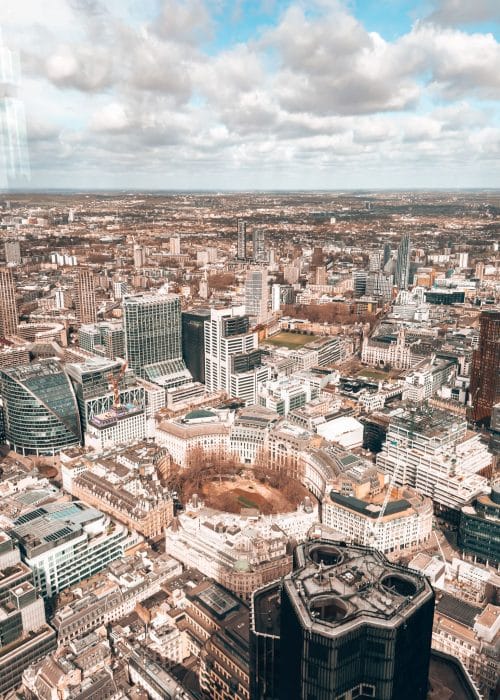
[40, 408]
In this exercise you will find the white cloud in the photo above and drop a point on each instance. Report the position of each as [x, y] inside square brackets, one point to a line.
[317, 96]
[465, 11]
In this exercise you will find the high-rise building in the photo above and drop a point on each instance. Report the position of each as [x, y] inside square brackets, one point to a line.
[232, 358]
[8, 307]
[193, 341]
[106, 338]
[40, 408]
[259, 245]
[257, 294]
[25, 637]
[241, 248]
[175, 245]
[138, 256]
[485, 369]
[153, 338]
[12, 252]
[386, 254]
[92, 383]
[403, 263]
[85, 301]
[344, 624]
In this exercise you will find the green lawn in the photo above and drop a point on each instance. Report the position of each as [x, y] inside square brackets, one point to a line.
[290, 340]
[246, 502]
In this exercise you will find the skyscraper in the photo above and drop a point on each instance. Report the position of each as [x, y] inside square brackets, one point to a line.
[153, 343]
[85, 302]
[241, 250]
[138, 256]
[485, 369]
[40, 408]
[257, 294]
[386, 254]
[193, 341]
[346, 624]
[8, 307]
[232, 358]
[259, 245]
[403, 263]
[175, 245]
[12, 252]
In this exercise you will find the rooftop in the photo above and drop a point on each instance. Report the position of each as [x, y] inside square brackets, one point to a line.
[336, 585]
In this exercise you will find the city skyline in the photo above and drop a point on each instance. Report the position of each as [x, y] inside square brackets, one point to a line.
[207, 95]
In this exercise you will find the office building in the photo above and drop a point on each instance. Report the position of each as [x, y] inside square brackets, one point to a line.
[40, 408]
[257, 294]
[224, 655]
[95, 382]
[66, 542]
[479, 528]
[25, 637]
[85, 300]
[139, 256]
[485, 369]
[403, 263]
[345, 624]
[232, 359]
[106, 338]
[470, 634]
[239, 555]
[432, 451]
[12, 252]
[153, 343]
[241, 246]
[386, 256]
[259, 245]
[359, 278]
[175, 245]
[193, 341]
[8, 306]
[405, 523]
[119, 425]
[198, 431]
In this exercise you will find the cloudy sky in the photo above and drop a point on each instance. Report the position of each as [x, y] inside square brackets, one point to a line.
[259, 94]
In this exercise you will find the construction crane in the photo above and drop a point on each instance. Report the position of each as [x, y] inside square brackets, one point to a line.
[115, 383]
[374, 528]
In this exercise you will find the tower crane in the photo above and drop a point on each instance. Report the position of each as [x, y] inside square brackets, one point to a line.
[115, 383]
[376, 525]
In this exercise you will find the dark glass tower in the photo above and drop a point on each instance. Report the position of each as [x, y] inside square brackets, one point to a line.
[348, 625]
[403, 263]
[485, 369]
[193, 341]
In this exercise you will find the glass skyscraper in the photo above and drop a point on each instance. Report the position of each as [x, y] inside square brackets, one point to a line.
[40, 408]
[152, 331]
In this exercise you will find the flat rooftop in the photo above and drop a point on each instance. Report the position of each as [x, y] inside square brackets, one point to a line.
[336, 585]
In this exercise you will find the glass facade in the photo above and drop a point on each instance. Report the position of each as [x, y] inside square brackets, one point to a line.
[152, 330]
[40, 408]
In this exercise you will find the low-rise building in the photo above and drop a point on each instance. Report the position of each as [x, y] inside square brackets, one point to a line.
[405, 523]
